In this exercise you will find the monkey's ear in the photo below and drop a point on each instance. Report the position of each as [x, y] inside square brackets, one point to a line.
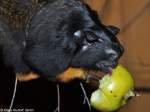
[114, 30]
[78, 36]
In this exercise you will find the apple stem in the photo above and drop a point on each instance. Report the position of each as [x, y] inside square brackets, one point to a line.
[85, 96]
[58, 99]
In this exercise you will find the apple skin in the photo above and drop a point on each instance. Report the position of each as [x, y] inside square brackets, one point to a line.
[104, 103]
[117, 84]
[114, 90]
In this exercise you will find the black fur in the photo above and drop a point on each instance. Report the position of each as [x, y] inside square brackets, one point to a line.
[61, 34]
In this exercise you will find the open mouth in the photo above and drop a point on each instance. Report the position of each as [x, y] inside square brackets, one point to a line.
[93, 77]
[103, 69]
[96, 75]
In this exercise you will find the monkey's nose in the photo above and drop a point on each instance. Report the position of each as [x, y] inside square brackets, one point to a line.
[112, 53]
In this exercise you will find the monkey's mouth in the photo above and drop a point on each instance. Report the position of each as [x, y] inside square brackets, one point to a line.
[104, 67]
[93, 77]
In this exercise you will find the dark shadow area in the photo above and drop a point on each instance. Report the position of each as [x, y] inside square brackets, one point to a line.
[41, 95]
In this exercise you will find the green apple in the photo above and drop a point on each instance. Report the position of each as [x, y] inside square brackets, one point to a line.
[114, 90]
[117, 84]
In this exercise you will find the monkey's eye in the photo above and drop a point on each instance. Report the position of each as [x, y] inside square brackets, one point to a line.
[91, 38]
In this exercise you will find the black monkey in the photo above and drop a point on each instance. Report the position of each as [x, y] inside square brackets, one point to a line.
[61, 34]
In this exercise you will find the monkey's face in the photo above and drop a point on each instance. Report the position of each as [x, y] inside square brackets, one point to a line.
[92, 49]
[99, 49]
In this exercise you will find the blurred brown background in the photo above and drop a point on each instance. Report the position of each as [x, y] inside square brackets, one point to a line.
[133, 18]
